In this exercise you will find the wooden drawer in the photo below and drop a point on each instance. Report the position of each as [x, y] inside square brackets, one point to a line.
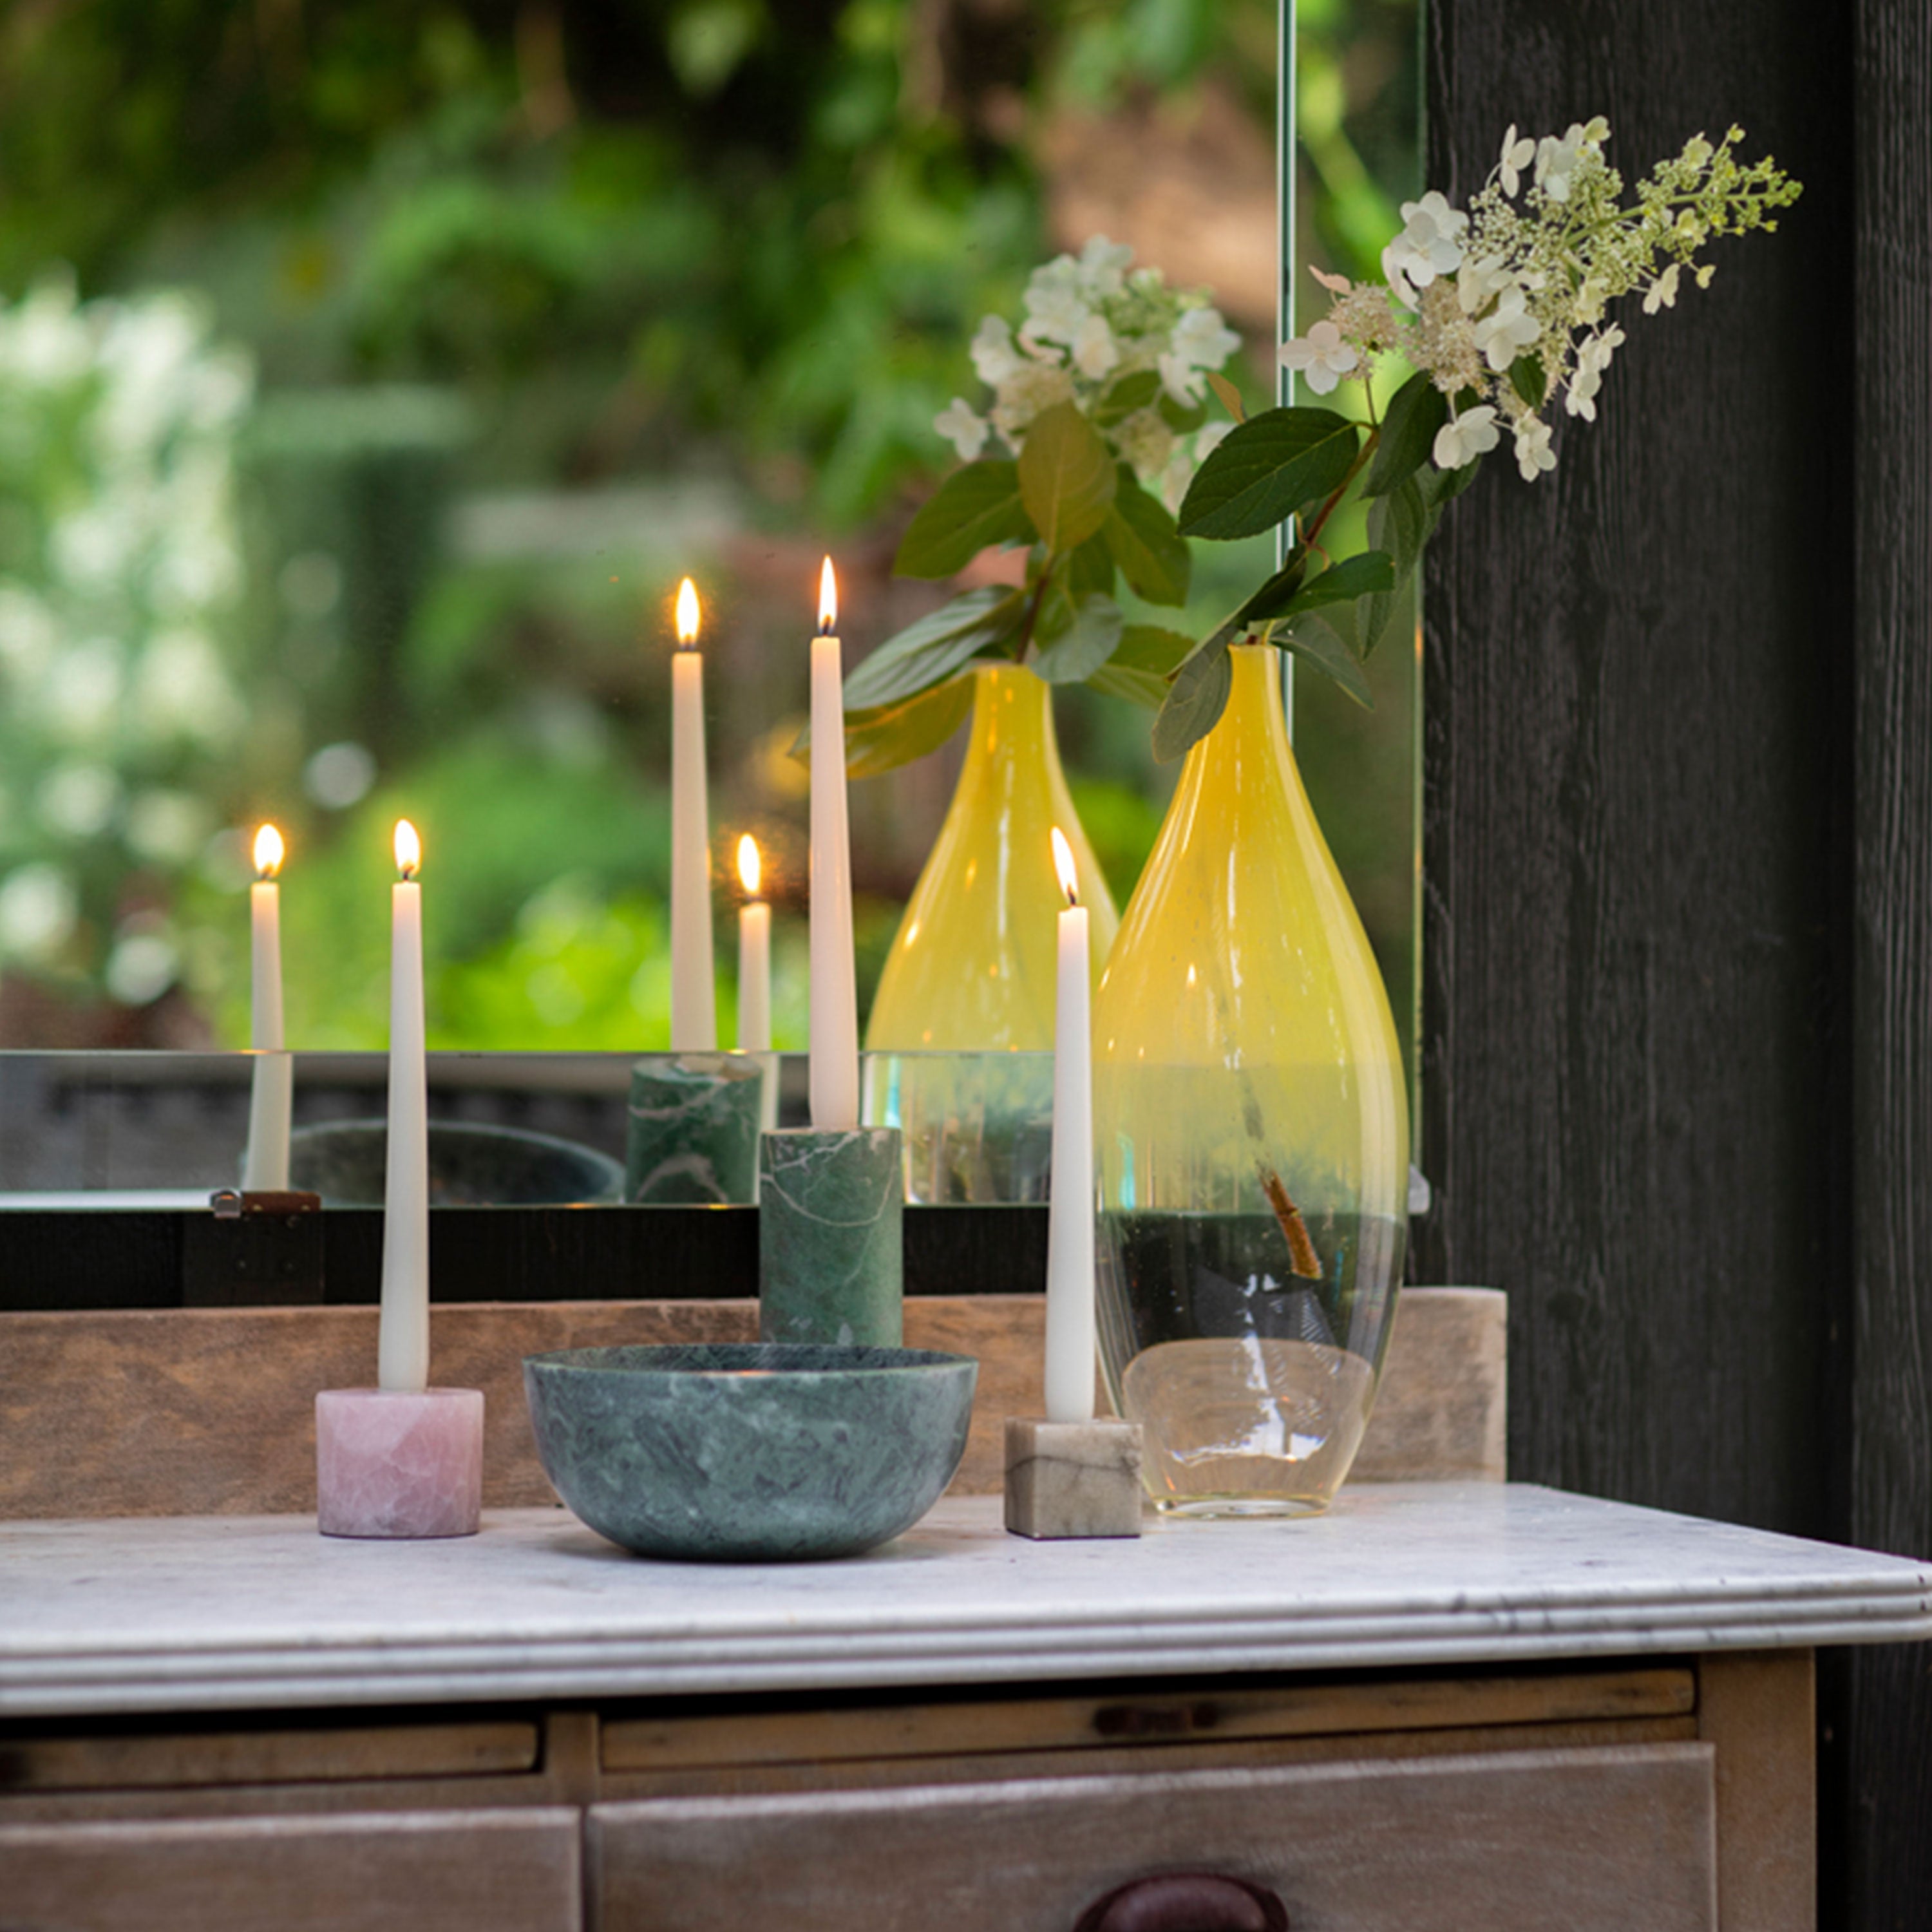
[1619, 1839]
[451, 1871]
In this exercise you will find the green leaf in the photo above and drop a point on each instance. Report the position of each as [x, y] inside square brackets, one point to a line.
[1126, 394]
[1231, 396]
[1264, 470]
[1142, 665]
[1276, 595]
[1441, 487]
[881, 737]
[924, 653]
[1195, 701]
[1415, 412]
[1315, 641]
[974, 507]
[1152, 554]
[1090, 570]
[1398, 524]
[1065, 476]
[1354, 577]
[1528, 378]
[1184, 418]
[1085, 645]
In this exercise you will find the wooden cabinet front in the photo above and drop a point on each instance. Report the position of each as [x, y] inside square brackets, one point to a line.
[1518, 1842]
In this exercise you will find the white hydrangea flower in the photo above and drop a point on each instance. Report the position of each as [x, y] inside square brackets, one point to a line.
[1592, 359]
[1479, 283]
[1517, 155]
[1095, 351]
[1321, 358]
[964, 427]
[1507, 329]
[1144, 441]
[1430, 243]
[1202, 340]
[1464, 438]
[994, 358]
[1534, 455]
[1557, 156]
[1103, 266]
[1056, 304]
[1662, 291]
[1180, 380]
[1032, 387]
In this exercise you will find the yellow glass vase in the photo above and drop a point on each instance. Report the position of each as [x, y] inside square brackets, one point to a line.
[1251, 1129]
[959, 1042]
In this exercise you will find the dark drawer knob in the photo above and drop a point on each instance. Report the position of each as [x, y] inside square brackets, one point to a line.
[1186, 1902]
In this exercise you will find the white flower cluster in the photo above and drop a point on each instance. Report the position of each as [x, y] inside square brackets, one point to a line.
[1090, 321]
[1505, 304]
[122, 561]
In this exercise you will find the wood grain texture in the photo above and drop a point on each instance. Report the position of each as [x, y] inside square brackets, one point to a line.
[1517, 1842]
[211, 1411]
[1636, 717]
[671, 1739]
[95, 1760]
[1878, 1765]
[473, 1871]
[1757, 1711]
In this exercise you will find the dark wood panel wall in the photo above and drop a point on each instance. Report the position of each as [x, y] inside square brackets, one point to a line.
[1678, 830]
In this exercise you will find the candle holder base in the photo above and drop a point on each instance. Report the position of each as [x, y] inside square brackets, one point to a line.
[831, 1221]
[692, 1133]
[1073, 1479]
[399, 1463]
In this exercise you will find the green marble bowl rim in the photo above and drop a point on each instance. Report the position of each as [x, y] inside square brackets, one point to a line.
[608, 1172]
[828, 1360]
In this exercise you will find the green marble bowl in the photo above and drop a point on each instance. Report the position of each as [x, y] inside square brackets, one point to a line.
[471, 1165]
[750, 1451]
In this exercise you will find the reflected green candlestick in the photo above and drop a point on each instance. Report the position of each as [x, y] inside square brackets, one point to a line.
[831, 1214]
[692, 1133]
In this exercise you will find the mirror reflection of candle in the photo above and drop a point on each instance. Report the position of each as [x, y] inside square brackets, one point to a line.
[694, 1008]
[1069, 1241]
[402, 1336]
[835, 999]
[754, 955]
[264, 1167]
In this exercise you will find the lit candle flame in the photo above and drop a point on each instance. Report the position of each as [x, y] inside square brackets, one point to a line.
[1062, 864]
[687, 615]
[749, 870]
[268, 853]
[409, 849]
[828, 601]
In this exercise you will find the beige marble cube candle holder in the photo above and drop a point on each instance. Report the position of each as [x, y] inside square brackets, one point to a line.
[1073, 1479]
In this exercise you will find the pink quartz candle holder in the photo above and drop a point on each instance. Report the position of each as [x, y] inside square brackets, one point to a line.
[399, 1463]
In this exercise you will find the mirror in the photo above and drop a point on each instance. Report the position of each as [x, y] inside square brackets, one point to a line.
[353, 451]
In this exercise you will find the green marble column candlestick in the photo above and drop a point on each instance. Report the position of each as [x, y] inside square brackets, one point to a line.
[692, 1135]
[831, 1210]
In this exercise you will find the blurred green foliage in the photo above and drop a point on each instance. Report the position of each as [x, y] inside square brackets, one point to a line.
[496, 264]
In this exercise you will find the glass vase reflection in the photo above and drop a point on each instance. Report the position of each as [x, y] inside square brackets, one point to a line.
[1251, 1137]
[976, 1127]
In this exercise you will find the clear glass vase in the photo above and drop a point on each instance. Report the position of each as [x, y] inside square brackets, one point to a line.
[970, 974]
[1251, 1130]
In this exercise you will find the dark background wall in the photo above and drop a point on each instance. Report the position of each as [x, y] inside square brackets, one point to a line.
[1677, 1096]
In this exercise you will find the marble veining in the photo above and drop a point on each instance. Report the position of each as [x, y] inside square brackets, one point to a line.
[831, 1208]
[239, 1613]
[692, 1131]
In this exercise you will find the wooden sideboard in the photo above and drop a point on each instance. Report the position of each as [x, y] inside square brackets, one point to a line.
[1441, 1705]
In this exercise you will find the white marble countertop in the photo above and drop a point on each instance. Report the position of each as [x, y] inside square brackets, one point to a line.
[214, 1613]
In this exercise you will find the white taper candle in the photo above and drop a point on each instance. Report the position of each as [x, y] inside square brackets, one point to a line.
[754, 956]
[264, 1167]
[835, 999]
[402, 1343]
[693, 1000]
[1070, 1241]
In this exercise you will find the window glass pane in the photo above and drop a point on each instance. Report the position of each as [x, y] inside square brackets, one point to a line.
[369, 376]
